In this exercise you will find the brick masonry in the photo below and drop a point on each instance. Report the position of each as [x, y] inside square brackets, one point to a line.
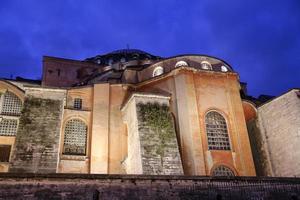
[71, 186]
[37, 142]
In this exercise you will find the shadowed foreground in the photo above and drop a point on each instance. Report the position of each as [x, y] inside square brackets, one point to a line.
[75, 186]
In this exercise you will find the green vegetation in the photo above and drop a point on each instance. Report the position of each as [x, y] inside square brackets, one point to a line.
[159, 120]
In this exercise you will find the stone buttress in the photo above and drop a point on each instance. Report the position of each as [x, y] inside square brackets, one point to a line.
[152, 142]
[37, 143]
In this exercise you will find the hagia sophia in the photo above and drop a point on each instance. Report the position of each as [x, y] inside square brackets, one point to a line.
[130, 112]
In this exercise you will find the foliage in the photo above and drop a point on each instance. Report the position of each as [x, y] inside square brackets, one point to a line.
[159, 120]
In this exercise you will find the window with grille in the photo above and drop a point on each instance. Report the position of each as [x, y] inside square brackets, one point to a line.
[181, 64]
[4, 153]
[217, 134]
[11, 104]
[8, 127]
[77, 103]
[206, 65]
[222, 171]
[75, 137]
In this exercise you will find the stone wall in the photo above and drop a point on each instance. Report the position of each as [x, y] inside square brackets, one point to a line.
[259, 151]
[37, 141]
[60, 72]
[279, 123]
[160, 152]
[67, 186]
[133, 162]
[152, 142]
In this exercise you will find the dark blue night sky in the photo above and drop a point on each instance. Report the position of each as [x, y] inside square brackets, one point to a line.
[259, 38]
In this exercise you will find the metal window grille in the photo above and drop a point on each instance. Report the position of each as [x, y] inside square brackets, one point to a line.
[77, 103]
[217, 134]
[222, 171]
[11, 104]
[8, 127]
[75, 137]
[4, 153]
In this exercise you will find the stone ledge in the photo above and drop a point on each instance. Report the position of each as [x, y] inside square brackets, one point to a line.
[65, 176]
[98, 186]
[74, 157]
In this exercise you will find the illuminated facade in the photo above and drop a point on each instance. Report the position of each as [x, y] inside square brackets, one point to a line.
[127, 112]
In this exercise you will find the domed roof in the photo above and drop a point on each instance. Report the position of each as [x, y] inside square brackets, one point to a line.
[122, 55]
[128, 51]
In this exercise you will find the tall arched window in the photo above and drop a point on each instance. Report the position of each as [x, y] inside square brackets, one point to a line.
[10, 110]
[222, 171]
[11, 104]
[75, 137]
[216, 129]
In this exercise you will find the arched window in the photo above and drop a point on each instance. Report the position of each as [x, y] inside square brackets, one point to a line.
[222, 171]
[75, 137]
[216, 129]
[110, 61]
[158, 71]
[11, 104]
[123, 59]
[224, 69]
[206, 65]
[181, 63]
[10, 110]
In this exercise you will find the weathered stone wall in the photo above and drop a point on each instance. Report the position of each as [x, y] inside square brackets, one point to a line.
[279, 123]
[37, 141]
[66, 186]
[160, 152]
[152, 142]
[133, 162]
[258, 147]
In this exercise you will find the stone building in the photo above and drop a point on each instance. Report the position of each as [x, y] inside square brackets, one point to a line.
[274, 131]
[129, 112]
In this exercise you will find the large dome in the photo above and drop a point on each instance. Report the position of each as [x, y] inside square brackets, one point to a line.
[129, 51]
[122, 55]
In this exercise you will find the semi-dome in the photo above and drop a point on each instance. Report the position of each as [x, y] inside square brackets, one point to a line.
[122, 56]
